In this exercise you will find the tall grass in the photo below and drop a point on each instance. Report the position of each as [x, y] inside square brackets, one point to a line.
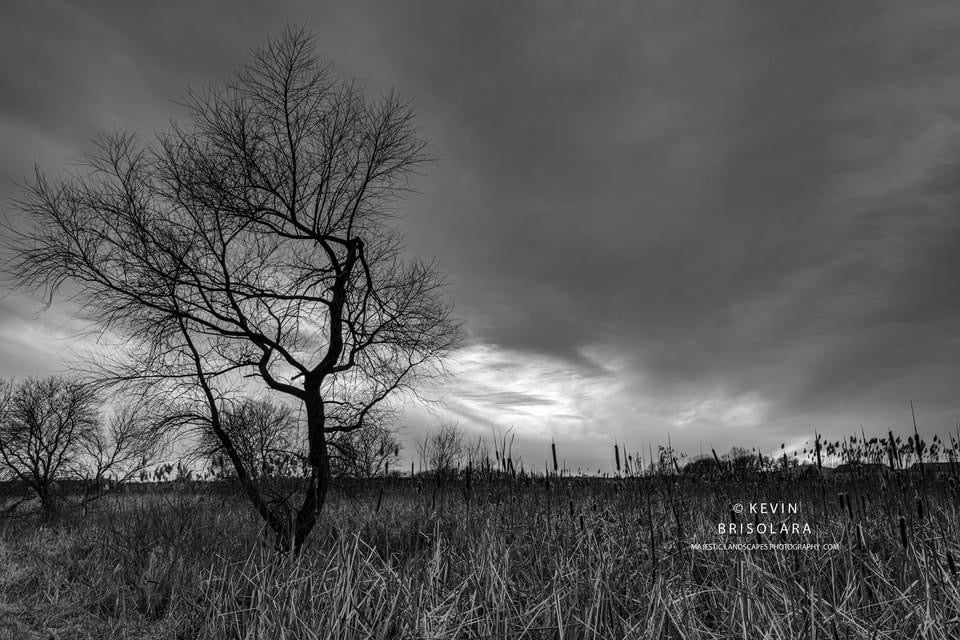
[515, 557]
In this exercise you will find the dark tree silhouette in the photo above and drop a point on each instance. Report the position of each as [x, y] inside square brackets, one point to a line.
[253, 243]
[44, 426]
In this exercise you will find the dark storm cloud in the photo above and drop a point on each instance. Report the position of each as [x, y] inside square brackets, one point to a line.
[743, 197]
[749, 195]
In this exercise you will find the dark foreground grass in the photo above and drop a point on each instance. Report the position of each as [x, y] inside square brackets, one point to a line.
[508, 559]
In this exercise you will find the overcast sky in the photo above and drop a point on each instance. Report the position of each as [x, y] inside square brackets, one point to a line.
[732, 223]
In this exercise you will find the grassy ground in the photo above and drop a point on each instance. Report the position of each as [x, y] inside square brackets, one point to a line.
[575, 559]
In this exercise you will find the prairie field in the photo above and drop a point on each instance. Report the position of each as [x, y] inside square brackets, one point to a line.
[498, 557]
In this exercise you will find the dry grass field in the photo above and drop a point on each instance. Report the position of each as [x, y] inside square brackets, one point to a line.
[498, 558]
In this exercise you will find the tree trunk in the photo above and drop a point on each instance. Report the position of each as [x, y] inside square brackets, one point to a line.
[316, 492]
[47, 497]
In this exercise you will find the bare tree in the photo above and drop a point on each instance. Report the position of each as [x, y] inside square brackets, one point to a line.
[255, 242]
[443, 449]
[127, 443]
[44, 425]
[365, 453]
[263, 434]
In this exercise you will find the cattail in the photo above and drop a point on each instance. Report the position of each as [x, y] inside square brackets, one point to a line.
[893, 448]
[919, 508]
[379, 500]
[817, 445]
[553, 451]
[952, 455]
[903, 532]
[616, 455]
